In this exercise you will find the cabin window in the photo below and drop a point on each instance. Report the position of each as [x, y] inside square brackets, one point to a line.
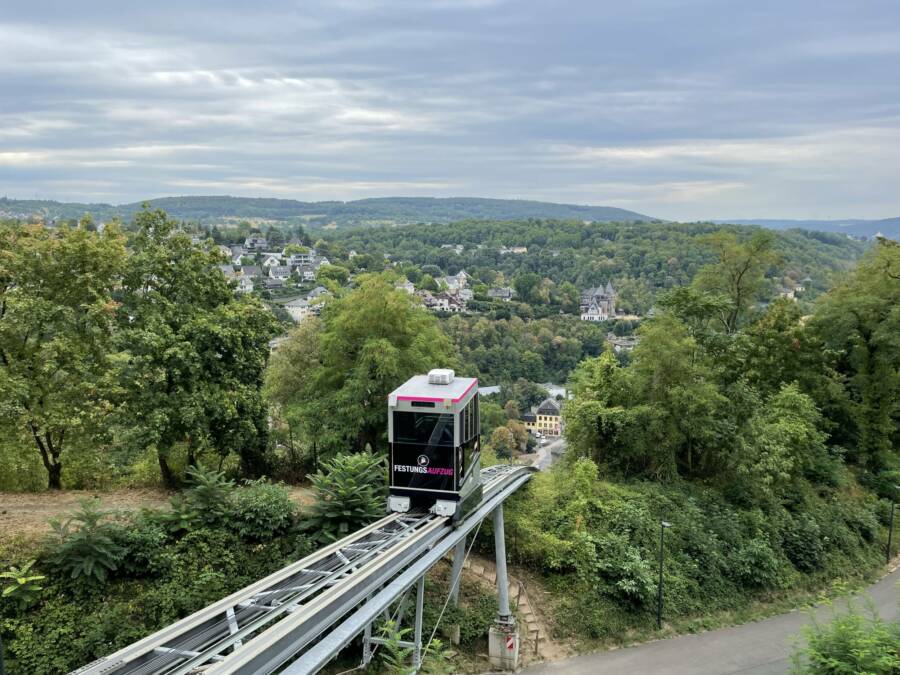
[423, 428]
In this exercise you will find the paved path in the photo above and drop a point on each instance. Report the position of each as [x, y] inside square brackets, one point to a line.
[545, 453]
[759, 648]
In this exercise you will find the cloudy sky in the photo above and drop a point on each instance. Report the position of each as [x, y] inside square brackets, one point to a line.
[681, 109]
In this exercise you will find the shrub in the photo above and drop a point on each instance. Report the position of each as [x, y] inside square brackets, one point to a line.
[143, 543]
[350, 494]
[84, 547]
[260, 511]
[754, 564]
[802, 543]
[204, 504]
[850, 643]
[208, 494]
[21, 586]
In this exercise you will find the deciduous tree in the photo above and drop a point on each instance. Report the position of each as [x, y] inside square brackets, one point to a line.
[56, 325]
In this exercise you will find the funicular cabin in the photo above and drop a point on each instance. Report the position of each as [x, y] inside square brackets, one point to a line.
[434, 434]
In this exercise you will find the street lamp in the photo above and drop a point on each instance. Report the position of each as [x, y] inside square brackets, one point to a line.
[891, 527]
[659, 598]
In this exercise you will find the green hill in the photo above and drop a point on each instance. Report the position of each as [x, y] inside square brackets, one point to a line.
[400, 210]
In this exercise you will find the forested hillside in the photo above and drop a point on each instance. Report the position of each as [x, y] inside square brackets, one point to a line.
[640, 258]
[364, 211]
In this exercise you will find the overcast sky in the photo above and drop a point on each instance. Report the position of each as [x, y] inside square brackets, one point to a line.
[681, 109]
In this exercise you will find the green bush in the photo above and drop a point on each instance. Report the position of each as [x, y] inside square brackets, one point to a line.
[143, 542]
[260, 511]
[350, 493]
[851, 643]
[208, 495]
[802, 543]
[84, 545]
[754, 565]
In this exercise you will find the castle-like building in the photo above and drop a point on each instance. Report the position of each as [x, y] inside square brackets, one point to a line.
[598, 304]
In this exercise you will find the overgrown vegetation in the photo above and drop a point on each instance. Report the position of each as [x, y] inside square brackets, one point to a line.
[595, 540]
[854, 641]
[754, 436]
[108, 579]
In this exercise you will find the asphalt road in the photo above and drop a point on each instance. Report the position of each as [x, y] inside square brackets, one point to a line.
[545, 454]
[759, 648]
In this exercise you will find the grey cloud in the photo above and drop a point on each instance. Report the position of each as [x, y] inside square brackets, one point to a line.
[679, 108]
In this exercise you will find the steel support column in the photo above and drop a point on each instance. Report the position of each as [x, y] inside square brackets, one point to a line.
[504, 614]
[459, 554]
[420, 606]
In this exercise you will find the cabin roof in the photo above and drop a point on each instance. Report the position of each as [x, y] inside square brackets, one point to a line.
[418, 388]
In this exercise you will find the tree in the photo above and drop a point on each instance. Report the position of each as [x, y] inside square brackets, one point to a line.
[859, 320]
[428, 283]
[503, 441]
[738, 274]
[193, 353]
[56, 324]
[367, 343]
[527, 286]
[335, 273]
[492, 416]
[512, 410]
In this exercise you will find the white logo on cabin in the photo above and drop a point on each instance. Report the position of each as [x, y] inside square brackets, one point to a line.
[422, 460]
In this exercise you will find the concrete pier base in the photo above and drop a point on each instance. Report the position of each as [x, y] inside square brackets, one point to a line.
[503, 646]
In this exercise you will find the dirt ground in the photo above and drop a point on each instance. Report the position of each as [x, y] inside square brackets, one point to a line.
[26, 514]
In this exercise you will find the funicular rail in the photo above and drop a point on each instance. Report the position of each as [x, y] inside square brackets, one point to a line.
[245, 630]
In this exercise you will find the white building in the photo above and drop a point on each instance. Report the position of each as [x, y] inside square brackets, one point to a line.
[405, 285]
[298, 309]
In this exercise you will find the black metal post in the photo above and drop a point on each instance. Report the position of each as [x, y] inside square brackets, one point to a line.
[890, 536]
[659, 598]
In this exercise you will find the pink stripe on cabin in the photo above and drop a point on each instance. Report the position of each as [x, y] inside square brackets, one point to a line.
[433, 399]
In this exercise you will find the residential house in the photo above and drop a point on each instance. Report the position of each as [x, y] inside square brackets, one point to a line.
[598, 304]
[282, 272]
[546, 419]
[225, 251]
[298, 309]
[788, 293]
[307, 257]
[251, 271]
[228, 271]
[502, 293]
[456, 281]
[306, 272]
[441, 302]
[273, 282]
[405, 285]
[271, 260]
[621, 343]
[245, 285]
[456, 248]
[318, 292]
[503, 250]
[255, 243]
